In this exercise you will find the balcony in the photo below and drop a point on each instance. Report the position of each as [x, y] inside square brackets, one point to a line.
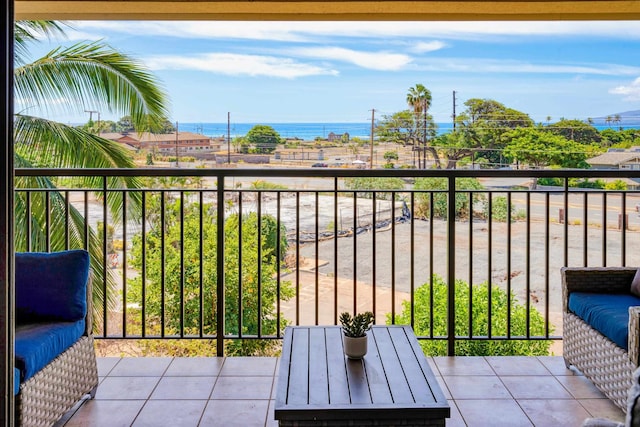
[239, 391]
[315, 243]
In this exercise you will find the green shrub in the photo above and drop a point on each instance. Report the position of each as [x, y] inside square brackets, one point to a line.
[368, 185]
[440, 204]
[173, 291]
[479, 317]
[499, 210]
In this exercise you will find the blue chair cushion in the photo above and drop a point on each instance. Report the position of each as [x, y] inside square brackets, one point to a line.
[16, 381]
[606, 313]
[37, 344]
[51, 286]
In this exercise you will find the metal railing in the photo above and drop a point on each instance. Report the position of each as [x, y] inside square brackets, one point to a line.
[231, 254]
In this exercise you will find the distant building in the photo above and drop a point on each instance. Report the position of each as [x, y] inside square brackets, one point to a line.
[617, 159]
[332, 137]
[187, 143]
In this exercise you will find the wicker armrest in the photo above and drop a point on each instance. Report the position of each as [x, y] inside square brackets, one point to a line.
[88, 321]
[595, 279]
[634, 334]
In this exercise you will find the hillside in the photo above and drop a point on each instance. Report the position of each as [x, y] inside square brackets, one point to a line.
[627, 118]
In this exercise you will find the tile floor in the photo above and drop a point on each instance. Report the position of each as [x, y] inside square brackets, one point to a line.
[239, 391]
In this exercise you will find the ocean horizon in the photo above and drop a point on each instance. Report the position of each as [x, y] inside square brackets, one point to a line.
[304, 131]
[310, 131]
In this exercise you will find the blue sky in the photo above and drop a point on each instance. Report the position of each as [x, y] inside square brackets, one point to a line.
[339, 71]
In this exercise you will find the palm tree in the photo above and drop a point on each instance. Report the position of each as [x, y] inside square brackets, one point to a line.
[84, 76]
[617, 119]
[419, 99]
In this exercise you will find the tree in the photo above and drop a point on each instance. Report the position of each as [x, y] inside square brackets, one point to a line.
[403, 128]
[182, 287]
[540, 148]
[575, 130]
[86, 75]
[419, 99]
[475, 313]
[264, 138]
[389, 156]
[483, 123]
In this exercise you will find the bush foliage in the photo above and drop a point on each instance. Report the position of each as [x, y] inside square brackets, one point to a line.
[183, 290]
[479, 318]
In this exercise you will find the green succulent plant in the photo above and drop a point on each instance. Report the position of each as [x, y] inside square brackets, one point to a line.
[356, 326]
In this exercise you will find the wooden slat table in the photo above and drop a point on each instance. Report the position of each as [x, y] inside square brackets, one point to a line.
[392, 385]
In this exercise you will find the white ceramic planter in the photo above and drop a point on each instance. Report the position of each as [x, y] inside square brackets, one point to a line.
[355, 348]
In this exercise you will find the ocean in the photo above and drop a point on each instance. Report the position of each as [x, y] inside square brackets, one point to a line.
[309, 131]
[304, 131]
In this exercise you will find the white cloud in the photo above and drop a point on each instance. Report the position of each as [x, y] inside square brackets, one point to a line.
[477, 65]
[422, 47]
[306, 31]
[383, 61]
[630, 92]
[236, 64]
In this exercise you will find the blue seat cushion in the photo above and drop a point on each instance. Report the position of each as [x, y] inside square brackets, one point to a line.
[606, 313]
[51, 286]
[16, 381]
[37, 344]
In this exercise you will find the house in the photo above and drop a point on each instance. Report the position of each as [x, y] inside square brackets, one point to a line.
[187, 143]
[339, 137]
[617, 159]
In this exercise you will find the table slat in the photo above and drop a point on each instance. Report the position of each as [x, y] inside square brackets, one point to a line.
[413, 372]
[338, 385]
[299, 368]
[376, 376]
[319, 387]
[400, 391]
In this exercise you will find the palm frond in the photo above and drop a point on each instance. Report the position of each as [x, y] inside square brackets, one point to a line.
[27, 32]
[68, 76]
[45, 143]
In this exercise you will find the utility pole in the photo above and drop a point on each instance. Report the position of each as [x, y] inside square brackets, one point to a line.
[229, 138]
[373, 118]
[177, 158]
[454, 111]
[91, 117]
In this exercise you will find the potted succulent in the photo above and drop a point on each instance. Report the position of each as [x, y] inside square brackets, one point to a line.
[355, 333]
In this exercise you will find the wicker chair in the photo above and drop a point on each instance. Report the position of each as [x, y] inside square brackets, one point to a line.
[608, 366]
[45, 397]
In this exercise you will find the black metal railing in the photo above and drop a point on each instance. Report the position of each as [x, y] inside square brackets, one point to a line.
[231, 254]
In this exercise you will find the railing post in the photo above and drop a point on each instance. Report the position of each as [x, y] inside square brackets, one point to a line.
[451, 269]
[220, 287]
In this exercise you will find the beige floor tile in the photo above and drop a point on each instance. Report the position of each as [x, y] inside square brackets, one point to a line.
[551, 412]
[195, 366]
[235, 413]
[106, 413]
[171, 413]
[492, 413]
[141, 367]
[517, 365]
[106, 364]
[121, 388]
[526, 387]
[455, 420]
[603, 408]
[242, 388]
[580, 387]
[476, 387]
[182, 388]
[271, 421]
[467, 365]
[249, 366]
[555, 365]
